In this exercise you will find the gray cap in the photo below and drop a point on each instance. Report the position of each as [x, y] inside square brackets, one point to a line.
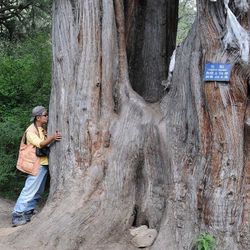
[38, 110]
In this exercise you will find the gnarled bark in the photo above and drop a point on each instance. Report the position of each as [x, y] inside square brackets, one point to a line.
[180, 165]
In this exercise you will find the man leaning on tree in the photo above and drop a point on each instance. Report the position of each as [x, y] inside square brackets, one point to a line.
[34, 186]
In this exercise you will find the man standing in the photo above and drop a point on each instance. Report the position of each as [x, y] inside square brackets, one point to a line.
[34, 186]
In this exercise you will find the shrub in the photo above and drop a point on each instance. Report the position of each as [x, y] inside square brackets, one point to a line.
[205, 241]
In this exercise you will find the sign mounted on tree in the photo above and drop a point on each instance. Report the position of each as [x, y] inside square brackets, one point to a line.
[219, 72]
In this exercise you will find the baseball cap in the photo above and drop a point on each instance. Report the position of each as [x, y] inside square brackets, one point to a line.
[38, 110]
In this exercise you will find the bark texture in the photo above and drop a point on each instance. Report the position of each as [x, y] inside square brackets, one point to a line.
[180, 165]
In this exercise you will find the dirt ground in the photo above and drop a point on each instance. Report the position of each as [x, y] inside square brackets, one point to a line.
[5, 217]
[5, 221]
[6, 228]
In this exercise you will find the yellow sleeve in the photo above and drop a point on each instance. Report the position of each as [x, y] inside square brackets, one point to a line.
[33, 138]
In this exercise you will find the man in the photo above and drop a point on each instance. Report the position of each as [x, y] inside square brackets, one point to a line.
[34, 186]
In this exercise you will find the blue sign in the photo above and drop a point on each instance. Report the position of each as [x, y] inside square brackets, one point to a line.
[219, 72]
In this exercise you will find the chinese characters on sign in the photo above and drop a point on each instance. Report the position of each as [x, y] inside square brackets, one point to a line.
[219, 72]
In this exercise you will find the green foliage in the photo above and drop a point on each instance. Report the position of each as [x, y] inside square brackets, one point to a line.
[205, 241]
[187, 13]
[25, 79]
[25, 71]
[21, 18]
[10, 128]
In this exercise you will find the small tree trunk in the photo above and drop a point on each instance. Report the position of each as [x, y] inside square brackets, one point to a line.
[180, 165]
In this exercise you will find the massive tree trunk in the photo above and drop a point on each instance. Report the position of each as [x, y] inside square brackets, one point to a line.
[132, 154]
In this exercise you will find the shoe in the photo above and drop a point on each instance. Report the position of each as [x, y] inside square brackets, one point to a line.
[29, 214]
[18, 219]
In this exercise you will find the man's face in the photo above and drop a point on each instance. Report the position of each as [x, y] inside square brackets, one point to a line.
[43, 118]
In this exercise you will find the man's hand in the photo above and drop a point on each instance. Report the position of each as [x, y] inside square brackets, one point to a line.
[57, 136]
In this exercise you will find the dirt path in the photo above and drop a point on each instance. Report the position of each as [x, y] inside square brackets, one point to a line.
[5, 221]
[6, 228]
[5, 218]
